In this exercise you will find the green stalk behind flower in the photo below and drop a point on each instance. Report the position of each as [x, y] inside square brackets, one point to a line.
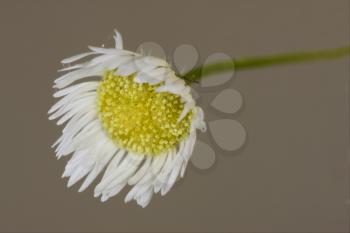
[263, 61]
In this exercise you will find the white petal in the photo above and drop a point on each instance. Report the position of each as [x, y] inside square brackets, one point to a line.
[69, 99]
[141, 172]
[77, 123]
[114, 163]
[198, 119]
[77, 66]
[129, 171]
[110, 193]
[154, 61]
[121, 172]
[161, 178]
[110, 51]
[187, 107]
[126, 69]
[183, 169]
[99, 166]
[172, 177]
[85, 106]
[146, 182]
[175, 87]
[118, 40]
[77, 57]
[145, 199]
[142, 77]
[131, 193]
[189, 145]
[77, 175]
[101, 59]
[75, 75]
[87, 101]
[78, 88]
[103, 50]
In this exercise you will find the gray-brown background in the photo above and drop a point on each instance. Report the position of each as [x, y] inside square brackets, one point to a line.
[291, 175]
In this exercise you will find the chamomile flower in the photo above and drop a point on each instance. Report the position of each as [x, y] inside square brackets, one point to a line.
[136, 124]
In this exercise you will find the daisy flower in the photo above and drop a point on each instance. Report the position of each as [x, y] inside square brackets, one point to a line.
[136, 124]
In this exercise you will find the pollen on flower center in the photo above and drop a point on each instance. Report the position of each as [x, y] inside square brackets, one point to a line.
[138, 118]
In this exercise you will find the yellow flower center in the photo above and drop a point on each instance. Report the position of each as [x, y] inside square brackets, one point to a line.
[139, 119]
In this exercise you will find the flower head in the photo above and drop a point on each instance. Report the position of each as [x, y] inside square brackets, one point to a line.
[136, 124]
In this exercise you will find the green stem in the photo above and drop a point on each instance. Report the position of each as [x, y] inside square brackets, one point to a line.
[263, 61]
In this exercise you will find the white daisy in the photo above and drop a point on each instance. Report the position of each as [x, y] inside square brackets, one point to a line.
[138, 121]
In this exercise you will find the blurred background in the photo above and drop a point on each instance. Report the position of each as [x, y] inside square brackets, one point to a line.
[291, 174]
